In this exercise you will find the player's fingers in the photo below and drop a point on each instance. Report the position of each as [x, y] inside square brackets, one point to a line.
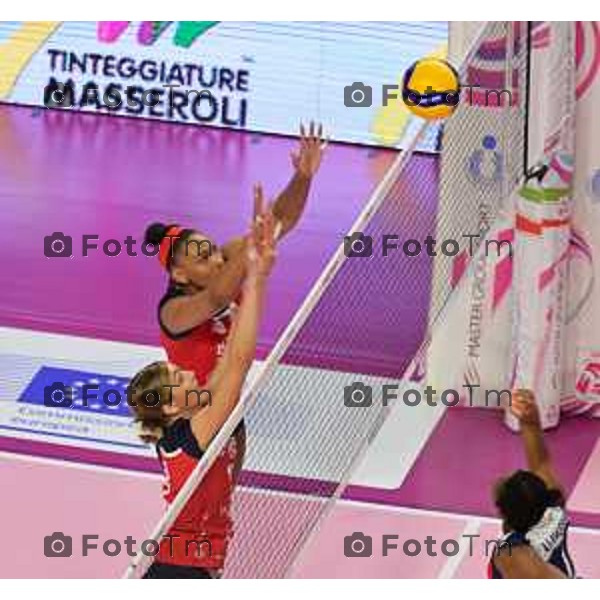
[515, 399]
[270, 228]
[269, 225]
[520, 393]
[264, 224]
[304, 144]
[255, 229]
[259, 220]
[259, 201]
[255, 200]
[251, 241]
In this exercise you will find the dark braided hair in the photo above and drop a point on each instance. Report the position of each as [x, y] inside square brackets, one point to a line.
[522, 499]
[157, 232]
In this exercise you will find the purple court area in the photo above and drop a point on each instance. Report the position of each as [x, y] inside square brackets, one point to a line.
[470, 450]
[85, 174]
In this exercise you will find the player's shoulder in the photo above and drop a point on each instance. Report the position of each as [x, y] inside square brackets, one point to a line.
[173, 291]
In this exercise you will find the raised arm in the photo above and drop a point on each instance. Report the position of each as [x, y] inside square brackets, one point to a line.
[538, 458]
[290, 203]
[227, 381]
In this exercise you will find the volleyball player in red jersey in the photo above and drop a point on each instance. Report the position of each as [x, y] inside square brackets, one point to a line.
[205, 280]
[171, 407]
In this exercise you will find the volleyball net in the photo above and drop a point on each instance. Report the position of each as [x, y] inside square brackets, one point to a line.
[312, 412]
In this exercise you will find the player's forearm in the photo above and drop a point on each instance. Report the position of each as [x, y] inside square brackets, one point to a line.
[227, 285]
[290, 204]
[242, 343]
[535, 449]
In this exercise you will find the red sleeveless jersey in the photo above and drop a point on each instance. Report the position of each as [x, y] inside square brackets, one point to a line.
[199, 348]
[201, 533]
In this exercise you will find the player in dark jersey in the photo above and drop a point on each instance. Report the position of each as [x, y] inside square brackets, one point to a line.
[182, 417]
[205, 280]
[531, 504]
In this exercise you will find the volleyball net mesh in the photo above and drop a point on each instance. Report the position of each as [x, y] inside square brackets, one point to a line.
[368, 319]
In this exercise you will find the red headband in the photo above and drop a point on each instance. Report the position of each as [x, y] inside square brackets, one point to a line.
[172, 234]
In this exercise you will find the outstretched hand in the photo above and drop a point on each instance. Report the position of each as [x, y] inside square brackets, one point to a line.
[523, 406]
[307, 159]
[262, 250]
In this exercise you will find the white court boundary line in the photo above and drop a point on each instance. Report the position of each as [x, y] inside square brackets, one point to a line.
[58, 346]
[453, 563]
[472, 526]
[43, 345]
[405, 510]
[67, 464]
[372, 506]
[29, 342]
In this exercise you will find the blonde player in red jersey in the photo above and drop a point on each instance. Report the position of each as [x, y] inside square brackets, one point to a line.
[171, 408]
